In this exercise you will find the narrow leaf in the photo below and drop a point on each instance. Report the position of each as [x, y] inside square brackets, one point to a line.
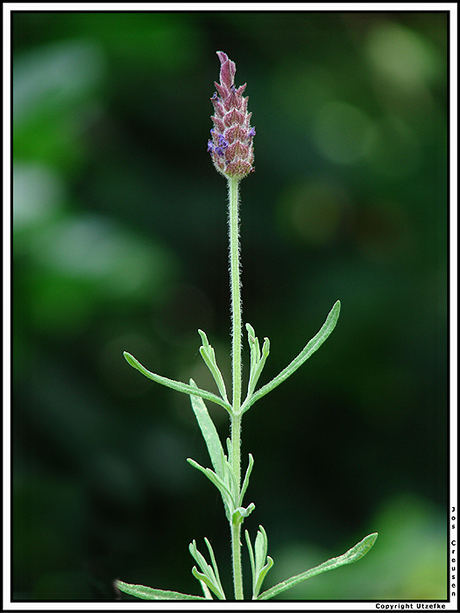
[216, 480]
[257, 359]
[253, 345]
[352, 555]
[176, 385]
[150, 593]
[259, 367]
[260, 563]
[262, 574]
[207, 575]
[313, 345]
[208, 431]
[244, 487]
[214, 564]
[206, 590]
[202, 578]
[261, 548]
[209, 357]
[230, 481]
[229, 448]
[251, 558]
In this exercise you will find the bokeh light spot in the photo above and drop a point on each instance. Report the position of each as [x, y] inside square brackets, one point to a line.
[38, 193]
[92, 247]
[402, 55]
[54, 77]
[343, 133]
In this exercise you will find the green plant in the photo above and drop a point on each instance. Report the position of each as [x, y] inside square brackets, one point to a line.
[231, 149]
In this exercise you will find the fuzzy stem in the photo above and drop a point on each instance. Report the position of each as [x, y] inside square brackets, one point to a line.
[235, 291]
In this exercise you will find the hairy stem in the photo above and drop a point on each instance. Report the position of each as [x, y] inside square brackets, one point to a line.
[235, 291]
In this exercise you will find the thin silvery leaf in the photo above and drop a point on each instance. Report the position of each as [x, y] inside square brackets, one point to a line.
[313, 345]
[150, 593]
[208, 431]
[176, 385]
[350, 556]
[209, 357]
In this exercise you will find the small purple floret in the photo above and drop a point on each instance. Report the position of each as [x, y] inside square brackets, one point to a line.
[222, 142]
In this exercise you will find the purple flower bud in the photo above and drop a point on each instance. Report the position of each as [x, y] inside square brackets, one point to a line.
[222, 142]
[231, 145]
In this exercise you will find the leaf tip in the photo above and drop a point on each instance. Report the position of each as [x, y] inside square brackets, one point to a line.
[130, 359]
[372, 538]
[204, 338]
[363, 547]
[250, 330]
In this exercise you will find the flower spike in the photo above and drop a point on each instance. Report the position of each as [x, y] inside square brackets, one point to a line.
[231, 146]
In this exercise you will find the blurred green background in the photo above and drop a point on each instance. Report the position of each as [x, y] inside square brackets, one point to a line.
[119, 243]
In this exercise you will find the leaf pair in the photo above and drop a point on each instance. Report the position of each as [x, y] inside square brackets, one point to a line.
[227, 486]
[313, 345]
[260, 564]
[223, 476]
[209, 575]
[258, 359]
[209, 357]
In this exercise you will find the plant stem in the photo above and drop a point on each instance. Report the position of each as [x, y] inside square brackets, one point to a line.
[236, 529]
[235, 291]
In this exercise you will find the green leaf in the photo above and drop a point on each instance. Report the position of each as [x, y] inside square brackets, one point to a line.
[352, 555]
[257, 359]
[209, 432]
[313, 345]
[261, 563]
[209, 357]
[213, 561]
[244, 487]
[205, 589]
[252, 560]
[209, 576]
[253, 344]
[176, 385]
[150, 593]
[227, 496]
[240, 513]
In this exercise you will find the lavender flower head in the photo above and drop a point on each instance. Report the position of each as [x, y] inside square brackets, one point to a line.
[231, 144]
